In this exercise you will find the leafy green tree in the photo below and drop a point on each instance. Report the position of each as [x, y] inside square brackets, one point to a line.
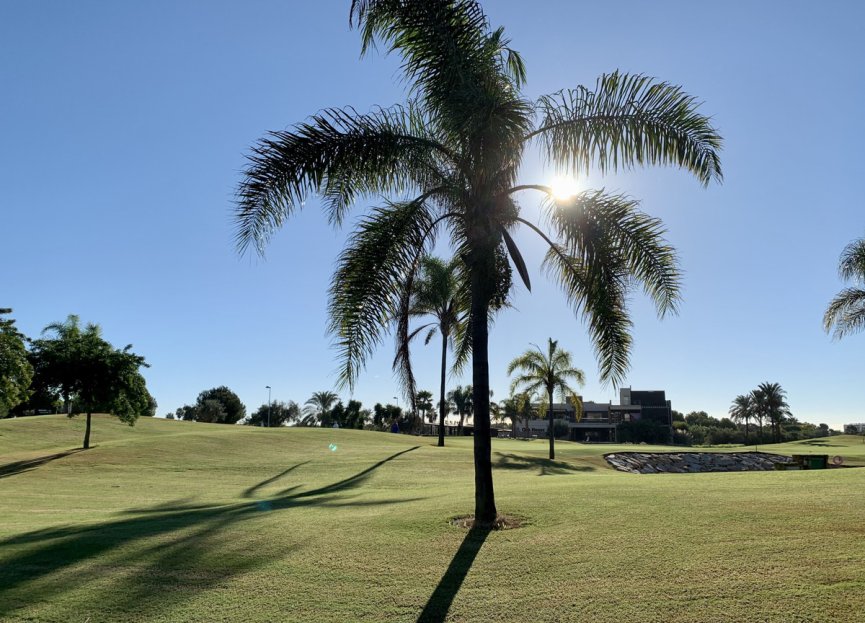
[352, 415]
[16, 373]
[317, 409]
[742, 410]
[448, 161]
[846, 312]
[771, 402]
[463, 401]
[385, 415]
[547, 372]
[90, 373]
[277, 413]
[219, 405]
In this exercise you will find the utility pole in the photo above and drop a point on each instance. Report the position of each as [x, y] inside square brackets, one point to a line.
[267, 387]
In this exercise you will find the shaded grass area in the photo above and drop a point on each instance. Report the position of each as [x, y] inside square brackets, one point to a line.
[217, 523]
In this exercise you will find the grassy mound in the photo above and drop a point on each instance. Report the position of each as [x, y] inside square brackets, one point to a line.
[174, 521]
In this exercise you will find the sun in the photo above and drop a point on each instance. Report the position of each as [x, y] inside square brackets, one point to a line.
[564, 187]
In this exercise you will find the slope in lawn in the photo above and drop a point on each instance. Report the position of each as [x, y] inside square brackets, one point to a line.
[173, 521]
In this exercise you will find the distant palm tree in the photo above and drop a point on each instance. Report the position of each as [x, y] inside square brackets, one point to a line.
[438, 292]
[742, 410]
[771, 403]
[463, 402]
[549, 372]
[846, 312]
[318, 408]
[423, 399]
[517, 408]
[447, 163]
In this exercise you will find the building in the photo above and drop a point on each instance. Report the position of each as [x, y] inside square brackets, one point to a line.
[598, 421]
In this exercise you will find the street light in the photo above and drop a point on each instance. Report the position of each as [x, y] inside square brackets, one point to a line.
[267, 387]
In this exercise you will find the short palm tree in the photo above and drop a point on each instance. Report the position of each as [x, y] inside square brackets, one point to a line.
[549, 372]
[846, 312]
[438, 292]
[742, 410]
[447, 162]
[318, 408]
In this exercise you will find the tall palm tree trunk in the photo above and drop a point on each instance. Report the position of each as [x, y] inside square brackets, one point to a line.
[485, 503]
[746, 431]
[87, 432]
[442, 392]
[552, 432]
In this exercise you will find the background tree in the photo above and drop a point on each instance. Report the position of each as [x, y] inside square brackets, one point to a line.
[437, 292]
[318, 408]
[455, 150]
[424, 402]
[546, 371]
[517, 408]
[384, 416]
[462, 400]
[230, 409]
[742, 410]
[771, 402]
[16, 373]
[352, 415]
[846, 312]
[281, 414]
[91, 374]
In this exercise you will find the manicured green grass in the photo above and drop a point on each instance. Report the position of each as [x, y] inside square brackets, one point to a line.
[174, 521]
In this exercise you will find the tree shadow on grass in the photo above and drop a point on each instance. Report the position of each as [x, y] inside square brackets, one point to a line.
[545, 467]
[822, 443]
[18, 467]
[436, 608]
[156, 557]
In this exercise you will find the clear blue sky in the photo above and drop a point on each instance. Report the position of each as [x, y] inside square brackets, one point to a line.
[124, 127]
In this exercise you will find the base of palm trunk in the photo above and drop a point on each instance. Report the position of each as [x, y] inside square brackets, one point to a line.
[502, 522]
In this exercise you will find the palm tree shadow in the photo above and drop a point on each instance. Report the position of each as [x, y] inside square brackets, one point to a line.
[251, 491]
[439, 603]
[545, 467]
[18, 467]
[188, 545]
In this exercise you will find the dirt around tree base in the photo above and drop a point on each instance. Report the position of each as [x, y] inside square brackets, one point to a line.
[502, 522]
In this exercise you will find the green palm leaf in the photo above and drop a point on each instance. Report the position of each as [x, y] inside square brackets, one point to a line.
[628, 120]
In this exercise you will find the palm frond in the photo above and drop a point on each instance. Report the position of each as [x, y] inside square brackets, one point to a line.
[846, 313]
[370, 280]
[628, 120]
[852, 264]
[339, 153]
[598, 293]
[594, 225]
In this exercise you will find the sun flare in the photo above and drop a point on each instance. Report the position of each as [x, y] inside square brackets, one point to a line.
[564, 187]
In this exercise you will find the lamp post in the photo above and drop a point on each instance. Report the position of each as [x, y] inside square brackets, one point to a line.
[267, 387]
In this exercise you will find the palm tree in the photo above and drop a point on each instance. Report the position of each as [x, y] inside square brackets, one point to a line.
[846, 312]
[548, 371]
[517, 407]
[771, 401]
[463, 402]
[423, 400]
[437, 293]
[454, 150]
[742, 410]
[318, 407]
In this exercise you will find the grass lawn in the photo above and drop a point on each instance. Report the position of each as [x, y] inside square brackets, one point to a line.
[176, 521]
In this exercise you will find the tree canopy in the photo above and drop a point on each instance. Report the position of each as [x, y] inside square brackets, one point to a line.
[446, 163]
[90, 374]
[16, 373]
